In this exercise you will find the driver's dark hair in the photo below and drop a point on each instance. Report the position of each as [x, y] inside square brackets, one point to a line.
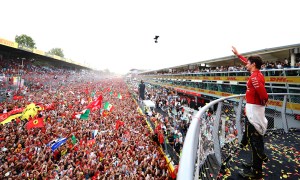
[257, 60]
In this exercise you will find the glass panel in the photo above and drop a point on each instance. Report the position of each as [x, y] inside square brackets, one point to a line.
[238, 89]
[269, 90]
[295, 99]
[292, 72]
[213, 87]
[279, 90]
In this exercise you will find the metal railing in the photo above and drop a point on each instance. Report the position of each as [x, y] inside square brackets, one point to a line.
[214, 133]
[292, 71]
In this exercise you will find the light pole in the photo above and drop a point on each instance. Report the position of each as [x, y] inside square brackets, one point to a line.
[20, 76]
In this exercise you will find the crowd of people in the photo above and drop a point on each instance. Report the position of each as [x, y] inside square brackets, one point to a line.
[113, 142]
[170, 118]
[173, 114]
[280, 64]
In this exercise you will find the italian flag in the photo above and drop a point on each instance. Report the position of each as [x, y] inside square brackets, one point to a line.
[108, 106]
[120, 96]
[84, 115]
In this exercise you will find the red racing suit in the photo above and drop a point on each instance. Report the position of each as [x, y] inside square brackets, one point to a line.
[256, 92]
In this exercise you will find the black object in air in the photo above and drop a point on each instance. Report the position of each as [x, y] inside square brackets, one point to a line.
[156, 37]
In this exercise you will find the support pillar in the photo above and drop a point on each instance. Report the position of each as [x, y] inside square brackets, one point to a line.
[293, 59]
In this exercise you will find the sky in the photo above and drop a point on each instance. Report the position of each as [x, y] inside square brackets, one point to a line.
[118, 34]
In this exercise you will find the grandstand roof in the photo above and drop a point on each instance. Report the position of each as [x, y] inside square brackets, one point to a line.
[268, 54]
[13, 49]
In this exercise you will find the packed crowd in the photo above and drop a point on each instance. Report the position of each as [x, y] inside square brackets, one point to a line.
[170, 119]
[114, 143]
[266, 66]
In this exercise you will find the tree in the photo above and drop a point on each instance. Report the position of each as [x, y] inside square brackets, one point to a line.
[25, 40]
[57, 52]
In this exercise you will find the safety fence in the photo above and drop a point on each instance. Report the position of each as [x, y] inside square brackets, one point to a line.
[214, 134]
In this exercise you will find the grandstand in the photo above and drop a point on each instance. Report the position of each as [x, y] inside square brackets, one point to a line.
[13, 50]
[205, 82]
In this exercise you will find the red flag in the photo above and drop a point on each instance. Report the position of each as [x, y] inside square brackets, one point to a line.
[119, 123]
[174, 173]
[73, 116]
[17, 97]
[49, 106]
[95, 108]
[36, 123]
[95, 104]
[107, 89]
[3, 117]
[15, 111]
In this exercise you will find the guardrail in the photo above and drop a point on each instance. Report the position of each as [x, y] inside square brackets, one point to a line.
[210, 136]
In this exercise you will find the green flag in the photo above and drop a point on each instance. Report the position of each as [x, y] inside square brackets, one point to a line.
[73, 139]
[84, 115]
[120, 96]
[108, 106]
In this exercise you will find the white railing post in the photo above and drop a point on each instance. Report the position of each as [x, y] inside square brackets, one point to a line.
[283, 116]
[238, 119]
[215, 133]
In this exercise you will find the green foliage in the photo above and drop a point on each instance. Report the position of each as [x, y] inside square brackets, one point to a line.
[57, 52]
[25, 40]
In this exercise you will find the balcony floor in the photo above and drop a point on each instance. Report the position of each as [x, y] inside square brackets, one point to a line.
[283, 151]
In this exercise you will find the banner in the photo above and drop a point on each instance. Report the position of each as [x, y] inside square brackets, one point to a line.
[268, 79]
[282, 79]
[188, 92]
[289, 105]
[8, 43]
